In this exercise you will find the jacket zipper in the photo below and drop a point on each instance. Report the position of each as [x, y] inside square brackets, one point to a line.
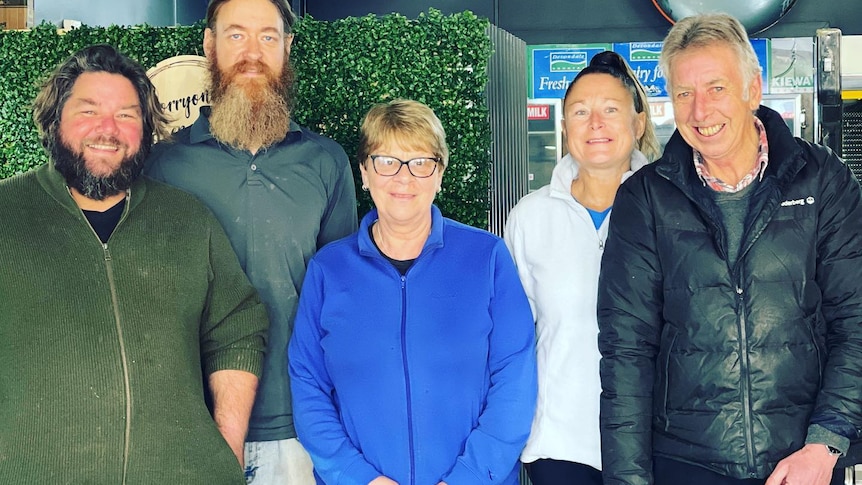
[123, 360]
[407, 379]
[115, 303]
[745, 382]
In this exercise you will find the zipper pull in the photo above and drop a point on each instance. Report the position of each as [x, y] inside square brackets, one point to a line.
[107, 252]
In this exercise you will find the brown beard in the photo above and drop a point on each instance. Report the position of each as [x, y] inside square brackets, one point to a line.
[254, 114]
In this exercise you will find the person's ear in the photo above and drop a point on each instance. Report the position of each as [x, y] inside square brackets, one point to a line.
[288, 42]
[755, 93]
[364, 176]
[209, 43]
[640, 125]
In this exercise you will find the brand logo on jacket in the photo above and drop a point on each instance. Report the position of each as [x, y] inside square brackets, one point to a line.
[808, 200]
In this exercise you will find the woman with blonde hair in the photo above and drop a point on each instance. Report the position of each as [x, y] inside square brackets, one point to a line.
[413, 357]
[557, 236]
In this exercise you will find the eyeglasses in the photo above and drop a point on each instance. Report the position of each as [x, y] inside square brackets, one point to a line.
[421, 167]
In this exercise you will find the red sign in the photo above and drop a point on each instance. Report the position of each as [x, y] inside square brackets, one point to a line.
[538, 112]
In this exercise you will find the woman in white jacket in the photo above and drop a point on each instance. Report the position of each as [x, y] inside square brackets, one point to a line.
[557, 236]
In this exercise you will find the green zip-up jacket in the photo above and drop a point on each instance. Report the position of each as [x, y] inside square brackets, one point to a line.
[103, 347]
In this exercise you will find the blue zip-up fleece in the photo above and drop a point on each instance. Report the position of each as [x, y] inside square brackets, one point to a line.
[421, 378]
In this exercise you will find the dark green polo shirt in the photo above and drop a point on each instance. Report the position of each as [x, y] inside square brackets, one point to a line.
[278, 207]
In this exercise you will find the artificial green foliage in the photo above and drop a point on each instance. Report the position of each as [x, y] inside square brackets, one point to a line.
[342, 67]
[27, 58]
[353, 63]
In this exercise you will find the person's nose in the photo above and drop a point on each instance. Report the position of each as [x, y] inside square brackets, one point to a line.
[700, 107]
[108, 125]
[404, 176]
[597, 120]
[253, 50]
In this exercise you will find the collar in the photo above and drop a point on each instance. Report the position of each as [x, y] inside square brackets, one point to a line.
[435, 237]
[55, 185]
[785, 154]
[567, 170]
[756, 172]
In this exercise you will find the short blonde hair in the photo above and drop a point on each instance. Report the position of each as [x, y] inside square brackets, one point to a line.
[409, 123]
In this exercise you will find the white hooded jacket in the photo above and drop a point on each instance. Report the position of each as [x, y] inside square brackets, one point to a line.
[558, 252]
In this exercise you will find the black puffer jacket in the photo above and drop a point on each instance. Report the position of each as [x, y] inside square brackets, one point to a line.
[726, 367]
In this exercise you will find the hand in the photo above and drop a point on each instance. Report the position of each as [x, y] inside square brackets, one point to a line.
[239, 452]
[236, 441]
[381, 480]
[233, 396]
[812, 465]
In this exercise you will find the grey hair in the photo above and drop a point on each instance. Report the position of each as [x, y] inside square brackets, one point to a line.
[705, 30]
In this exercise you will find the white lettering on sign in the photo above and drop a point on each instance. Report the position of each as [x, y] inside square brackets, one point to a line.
[793, 81]
[538, 112]
[545, 84]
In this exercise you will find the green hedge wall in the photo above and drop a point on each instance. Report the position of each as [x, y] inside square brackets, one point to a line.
[343, 68]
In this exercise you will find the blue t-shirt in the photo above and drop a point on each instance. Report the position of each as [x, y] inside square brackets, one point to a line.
[599, 217]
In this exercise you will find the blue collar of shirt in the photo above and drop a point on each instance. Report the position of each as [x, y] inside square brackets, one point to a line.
[435, 238]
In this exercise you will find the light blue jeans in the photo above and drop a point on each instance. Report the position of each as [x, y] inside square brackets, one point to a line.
[283, 462]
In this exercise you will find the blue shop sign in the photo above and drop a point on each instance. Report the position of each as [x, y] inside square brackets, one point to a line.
[643, 59]
[763, 49]
[553, 67]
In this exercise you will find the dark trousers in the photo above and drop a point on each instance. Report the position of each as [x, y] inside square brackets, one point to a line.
[556, 472]
[672, 472]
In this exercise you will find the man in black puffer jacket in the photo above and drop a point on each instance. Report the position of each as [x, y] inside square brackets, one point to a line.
[730, 299]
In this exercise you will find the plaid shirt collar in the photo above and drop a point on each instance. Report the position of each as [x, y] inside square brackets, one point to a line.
[756, 172]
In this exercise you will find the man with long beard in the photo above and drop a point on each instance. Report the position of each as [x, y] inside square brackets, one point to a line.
[280, 191]
[119, 296]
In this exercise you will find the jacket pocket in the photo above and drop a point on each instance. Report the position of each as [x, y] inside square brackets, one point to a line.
[819, 345]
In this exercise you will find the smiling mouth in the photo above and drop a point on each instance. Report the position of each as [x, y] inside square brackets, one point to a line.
[709, 130]
[598, 140]
[98, 146]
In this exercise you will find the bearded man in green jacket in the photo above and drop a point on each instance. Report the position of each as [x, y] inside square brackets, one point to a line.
[118, 295]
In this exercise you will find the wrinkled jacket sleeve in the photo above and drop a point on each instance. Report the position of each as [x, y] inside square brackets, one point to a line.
[630, 320]
[317, 421]
[492, 448]
[839, 257]
[234, 327]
